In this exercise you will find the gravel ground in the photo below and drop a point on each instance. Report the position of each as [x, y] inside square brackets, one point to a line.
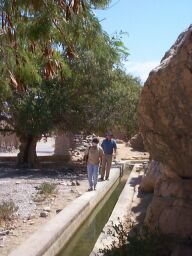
[22, 187]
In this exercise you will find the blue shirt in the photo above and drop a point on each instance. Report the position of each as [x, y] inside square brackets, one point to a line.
[108, 146]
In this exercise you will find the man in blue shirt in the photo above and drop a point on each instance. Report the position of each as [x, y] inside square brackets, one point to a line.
[109, 147]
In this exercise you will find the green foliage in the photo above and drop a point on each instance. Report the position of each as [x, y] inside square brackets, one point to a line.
[5, 90]
[100, 3]
[28, 114]
[117, 41]
[40, 81]
[40, 28]
[116, 108]
[59, 70]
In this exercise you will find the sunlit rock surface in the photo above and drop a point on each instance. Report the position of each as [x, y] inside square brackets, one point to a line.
[151, 177]
[165, 119]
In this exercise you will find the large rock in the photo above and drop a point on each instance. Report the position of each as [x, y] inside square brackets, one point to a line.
[165, 118]
[165, 115]
[151, 177]
[171, 208]
[136, 142]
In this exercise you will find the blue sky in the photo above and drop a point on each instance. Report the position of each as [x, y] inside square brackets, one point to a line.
[152, 26]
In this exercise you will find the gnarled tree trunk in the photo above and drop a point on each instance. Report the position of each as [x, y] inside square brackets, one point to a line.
[27, 156]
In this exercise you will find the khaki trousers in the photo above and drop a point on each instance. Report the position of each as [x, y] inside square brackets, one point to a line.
[106, 166]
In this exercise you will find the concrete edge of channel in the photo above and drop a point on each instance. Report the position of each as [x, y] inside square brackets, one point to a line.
[54, 234]
[120, 212]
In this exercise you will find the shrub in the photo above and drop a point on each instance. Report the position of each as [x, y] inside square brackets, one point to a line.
[47, 188]
[137, 242]
[7, 209]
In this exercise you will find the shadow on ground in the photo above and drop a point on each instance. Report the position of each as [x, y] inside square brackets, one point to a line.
[50, 168]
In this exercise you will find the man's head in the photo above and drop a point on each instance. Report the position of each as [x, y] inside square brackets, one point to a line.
[95, 141]
[109, 135]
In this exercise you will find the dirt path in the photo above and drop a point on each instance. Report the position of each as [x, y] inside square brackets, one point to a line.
[127, 153]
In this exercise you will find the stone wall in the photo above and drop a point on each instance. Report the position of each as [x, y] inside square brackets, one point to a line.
[64, 144]
[9, 142]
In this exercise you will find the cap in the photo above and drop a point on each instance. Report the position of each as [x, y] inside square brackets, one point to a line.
[109, 133]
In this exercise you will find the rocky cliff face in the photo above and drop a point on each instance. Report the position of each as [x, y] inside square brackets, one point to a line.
[165, 108]
[165, 117]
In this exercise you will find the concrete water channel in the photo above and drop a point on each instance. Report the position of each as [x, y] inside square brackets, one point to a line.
[85, 238]
[75, 230]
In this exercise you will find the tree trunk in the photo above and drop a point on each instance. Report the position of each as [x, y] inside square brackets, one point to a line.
[27, 156]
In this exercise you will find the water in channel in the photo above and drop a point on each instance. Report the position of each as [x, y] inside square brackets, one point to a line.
[82, 243]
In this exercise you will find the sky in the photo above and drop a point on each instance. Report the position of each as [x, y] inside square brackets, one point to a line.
[152, 25]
